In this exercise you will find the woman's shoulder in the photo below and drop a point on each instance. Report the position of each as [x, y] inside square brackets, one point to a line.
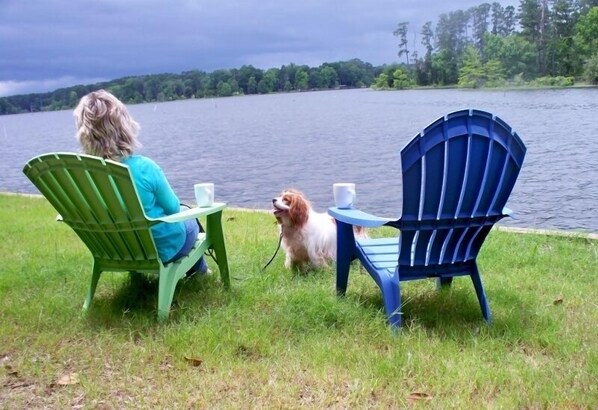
[142, 163]
[137, 159]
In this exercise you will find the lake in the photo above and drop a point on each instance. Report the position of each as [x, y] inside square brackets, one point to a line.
[252, 147]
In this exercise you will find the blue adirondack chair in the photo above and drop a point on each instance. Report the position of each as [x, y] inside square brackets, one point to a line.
[457, 176]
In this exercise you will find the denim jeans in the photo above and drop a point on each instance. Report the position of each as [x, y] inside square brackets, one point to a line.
[192, 229]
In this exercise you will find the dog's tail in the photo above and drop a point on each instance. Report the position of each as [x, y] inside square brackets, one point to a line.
[360, 231]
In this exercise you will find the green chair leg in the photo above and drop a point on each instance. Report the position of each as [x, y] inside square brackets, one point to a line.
[214, 227]
[166, 287]
[95, 277]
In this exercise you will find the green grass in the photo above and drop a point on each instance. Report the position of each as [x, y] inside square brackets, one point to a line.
[282, 340]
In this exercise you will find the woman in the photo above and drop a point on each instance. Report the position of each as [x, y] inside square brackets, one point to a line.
[106, 129]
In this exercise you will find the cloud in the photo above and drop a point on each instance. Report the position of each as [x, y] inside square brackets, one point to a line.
[39, 86]
[67, 42]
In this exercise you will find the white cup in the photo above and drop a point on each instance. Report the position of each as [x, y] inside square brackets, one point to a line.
[204, 194]
[344, 194]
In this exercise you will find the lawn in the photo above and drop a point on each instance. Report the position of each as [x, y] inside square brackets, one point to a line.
[284, 340]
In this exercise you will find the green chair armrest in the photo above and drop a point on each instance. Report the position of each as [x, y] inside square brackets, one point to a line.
[192, 213]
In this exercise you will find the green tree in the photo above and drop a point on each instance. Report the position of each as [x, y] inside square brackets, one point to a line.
[73, 98]
[329, 76]
[151, 87]
[516, 54]
[268, 82]
[6, 107]
[562, 56]
[586, 36]
[471, 73]
[423, 67]
[444, 68]
[497, 16]
[287, 75]
[353, 73]
[427, 37]
[315, 80]
[494, 73]
[401, 80]
[244, 76]
[251, 86]
[234, 85]
[533, 19]
[301, 80]
[381, 82]
[479, 16]
[401, 33]
[451, 36]
[205, 87]
[132, 90]
[591, 69]
[223, 89]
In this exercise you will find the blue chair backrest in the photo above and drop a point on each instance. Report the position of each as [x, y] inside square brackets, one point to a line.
[457, 176]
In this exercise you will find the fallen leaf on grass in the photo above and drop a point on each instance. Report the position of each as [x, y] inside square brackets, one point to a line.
[195, 362]
[68, 379]
[416, 395]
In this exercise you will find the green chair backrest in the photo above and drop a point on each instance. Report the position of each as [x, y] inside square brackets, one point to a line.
[98, 200]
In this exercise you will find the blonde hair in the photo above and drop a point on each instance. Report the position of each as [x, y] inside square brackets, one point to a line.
[104, 126]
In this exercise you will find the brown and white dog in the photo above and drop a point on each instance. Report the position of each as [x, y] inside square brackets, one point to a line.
[308, 237]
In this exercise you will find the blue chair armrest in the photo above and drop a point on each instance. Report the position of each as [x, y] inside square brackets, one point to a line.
[508, 212]
[357, 217]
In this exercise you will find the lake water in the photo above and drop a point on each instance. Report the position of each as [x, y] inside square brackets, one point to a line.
[254, 146]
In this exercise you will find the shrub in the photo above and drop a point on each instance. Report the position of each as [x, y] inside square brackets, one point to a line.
[559, 81]
[591, 70]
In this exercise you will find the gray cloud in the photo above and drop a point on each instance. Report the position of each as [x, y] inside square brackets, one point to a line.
[55, 43]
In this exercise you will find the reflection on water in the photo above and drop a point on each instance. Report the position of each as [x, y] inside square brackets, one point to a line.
[252, 147]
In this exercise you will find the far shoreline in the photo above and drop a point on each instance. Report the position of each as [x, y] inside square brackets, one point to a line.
[534, 231]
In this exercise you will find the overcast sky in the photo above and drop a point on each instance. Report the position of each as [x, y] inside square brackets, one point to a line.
[48, 44]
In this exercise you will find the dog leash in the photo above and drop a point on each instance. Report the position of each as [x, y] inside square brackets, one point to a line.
[275, 252]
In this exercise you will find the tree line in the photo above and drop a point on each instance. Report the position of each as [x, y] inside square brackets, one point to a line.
[542, 42]
[199, 84]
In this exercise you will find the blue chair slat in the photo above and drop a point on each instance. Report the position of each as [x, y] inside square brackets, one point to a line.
[458, 174]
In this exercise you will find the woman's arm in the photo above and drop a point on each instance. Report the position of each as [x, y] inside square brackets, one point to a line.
[165, 196]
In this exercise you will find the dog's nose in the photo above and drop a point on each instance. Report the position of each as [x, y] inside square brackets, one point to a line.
[273, 200]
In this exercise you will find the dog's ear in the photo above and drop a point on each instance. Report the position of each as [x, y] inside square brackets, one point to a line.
[299, 209]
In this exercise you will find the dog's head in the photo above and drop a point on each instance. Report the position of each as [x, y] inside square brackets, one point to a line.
[291, 208]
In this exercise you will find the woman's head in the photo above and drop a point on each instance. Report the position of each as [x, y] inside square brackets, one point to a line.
[104, 126]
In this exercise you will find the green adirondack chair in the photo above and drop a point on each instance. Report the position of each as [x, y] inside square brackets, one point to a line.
[98, 200]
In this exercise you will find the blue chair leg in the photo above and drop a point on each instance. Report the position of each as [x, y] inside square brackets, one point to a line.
[345, 251]
[479, 290]
[442, 283]
[391, 294]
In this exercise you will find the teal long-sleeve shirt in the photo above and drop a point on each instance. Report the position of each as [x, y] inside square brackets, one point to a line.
[158, 200]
